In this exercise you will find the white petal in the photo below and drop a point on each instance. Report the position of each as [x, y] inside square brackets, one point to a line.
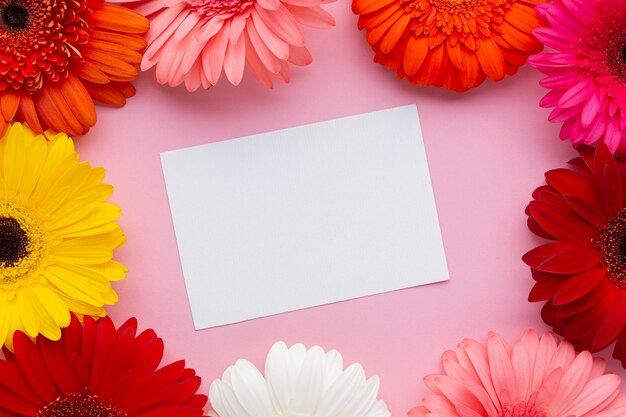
[251, 389]
[223, 399]
[277, 374]
[341, 391]
[379, 410]
[362, 400]
[333, 368]
[309, 383]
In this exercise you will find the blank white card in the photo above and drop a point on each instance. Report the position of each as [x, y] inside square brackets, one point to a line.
[305, 216]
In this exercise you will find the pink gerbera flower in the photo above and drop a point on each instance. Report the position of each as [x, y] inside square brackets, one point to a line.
[193, 41]
[538, 377]
[587, 69]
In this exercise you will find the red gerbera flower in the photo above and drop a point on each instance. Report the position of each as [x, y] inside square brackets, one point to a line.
[96, 371]
[57, 56]
[581, 274]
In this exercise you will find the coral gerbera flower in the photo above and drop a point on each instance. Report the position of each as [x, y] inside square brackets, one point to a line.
[454, 44]
[537, 377]
[297, 382]
[57, 236]
[57, 56]
[586, 70]
[96, 371]
[192, 41]
[581, 273]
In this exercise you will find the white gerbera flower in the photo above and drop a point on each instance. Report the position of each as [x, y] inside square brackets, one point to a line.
[297, 383]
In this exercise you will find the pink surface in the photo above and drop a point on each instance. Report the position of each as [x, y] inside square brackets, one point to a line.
[487, 151]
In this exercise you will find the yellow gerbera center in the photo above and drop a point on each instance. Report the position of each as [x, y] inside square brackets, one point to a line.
[22, 245]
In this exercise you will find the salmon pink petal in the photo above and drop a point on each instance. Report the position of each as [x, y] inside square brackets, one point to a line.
[192, 42]
[538, 377]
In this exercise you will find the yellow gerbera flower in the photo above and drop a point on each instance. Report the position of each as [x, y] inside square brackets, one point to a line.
[57, 236]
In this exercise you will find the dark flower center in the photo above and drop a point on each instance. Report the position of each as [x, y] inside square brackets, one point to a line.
[15, 16]
[13, 242]
[613, 249]
[79, 405]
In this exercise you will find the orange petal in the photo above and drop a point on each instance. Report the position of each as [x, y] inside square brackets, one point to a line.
[119, 19]
[416, 50]
[134, 42]
[90, 72]
[374, 35]
[394, 34]
[454, 53]
[9, 103]
[106, 94]
[369, 6]
[28, 113]
[55, 112]
[115, 69]
[79, 101]
[118, 51]
[491, 59]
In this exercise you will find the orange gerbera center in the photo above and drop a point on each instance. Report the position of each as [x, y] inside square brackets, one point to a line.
[223, 9]
[612, 245]
[460, 19]
[79, 405]
[38, 38]
[521, 410]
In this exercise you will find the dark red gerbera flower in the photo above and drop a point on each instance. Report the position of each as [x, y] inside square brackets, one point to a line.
[96, 371]
[581, 274]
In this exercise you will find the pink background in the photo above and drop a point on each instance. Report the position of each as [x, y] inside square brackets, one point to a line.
[487, 151]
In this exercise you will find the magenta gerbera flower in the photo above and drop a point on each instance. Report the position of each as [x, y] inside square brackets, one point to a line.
[586, 70]
[194, 41]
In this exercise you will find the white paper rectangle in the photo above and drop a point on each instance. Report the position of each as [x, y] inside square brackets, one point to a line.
[305, 216]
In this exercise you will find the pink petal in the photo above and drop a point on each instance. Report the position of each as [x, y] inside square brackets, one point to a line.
[278, 47]
[265, 55]
[234, 62]
[283, 24]
[312, 16]
[213, 54]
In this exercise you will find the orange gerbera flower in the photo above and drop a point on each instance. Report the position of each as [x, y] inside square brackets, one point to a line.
[57, 56]
[454, 44]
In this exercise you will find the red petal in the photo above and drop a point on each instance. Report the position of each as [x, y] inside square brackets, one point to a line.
[592, 214]
[33, 368]
[545, 289]
[586, 301]
[118, 363]
[12, 379]
[105, 340]
[580, 285]
[561, 258]
[609, 179]
[56, 361]
[15, 404]
[612, 324]
[560, 223]
[566, 181]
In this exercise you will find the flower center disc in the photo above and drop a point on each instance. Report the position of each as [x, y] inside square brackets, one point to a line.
[613, 249]
[13, 242]
[79, 405]
[22, 244]
[15, 16]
